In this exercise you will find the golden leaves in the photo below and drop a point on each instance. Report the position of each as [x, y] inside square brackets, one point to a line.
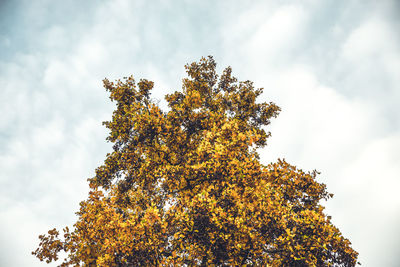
[186, 187]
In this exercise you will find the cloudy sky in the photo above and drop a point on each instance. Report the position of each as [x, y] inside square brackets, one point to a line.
[332, 66]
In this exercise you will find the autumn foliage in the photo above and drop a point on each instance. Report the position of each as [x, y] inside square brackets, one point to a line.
[185, 187]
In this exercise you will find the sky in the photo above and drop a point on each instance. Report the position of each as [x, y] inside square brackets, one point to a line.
[332, 66]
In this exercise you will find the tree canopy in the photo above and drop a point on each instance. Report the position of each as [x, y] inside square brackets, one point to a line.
[185, 186]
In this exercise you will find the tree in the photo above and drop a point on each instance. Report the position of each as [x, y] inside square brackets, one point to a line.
[185, 187]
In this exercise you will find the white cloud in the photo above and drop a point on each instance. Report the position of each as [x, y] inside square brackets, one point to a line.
[371, 180]
[373, 38]
[263, 35]
[373, 54]
[277, 32]
[317, 125]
